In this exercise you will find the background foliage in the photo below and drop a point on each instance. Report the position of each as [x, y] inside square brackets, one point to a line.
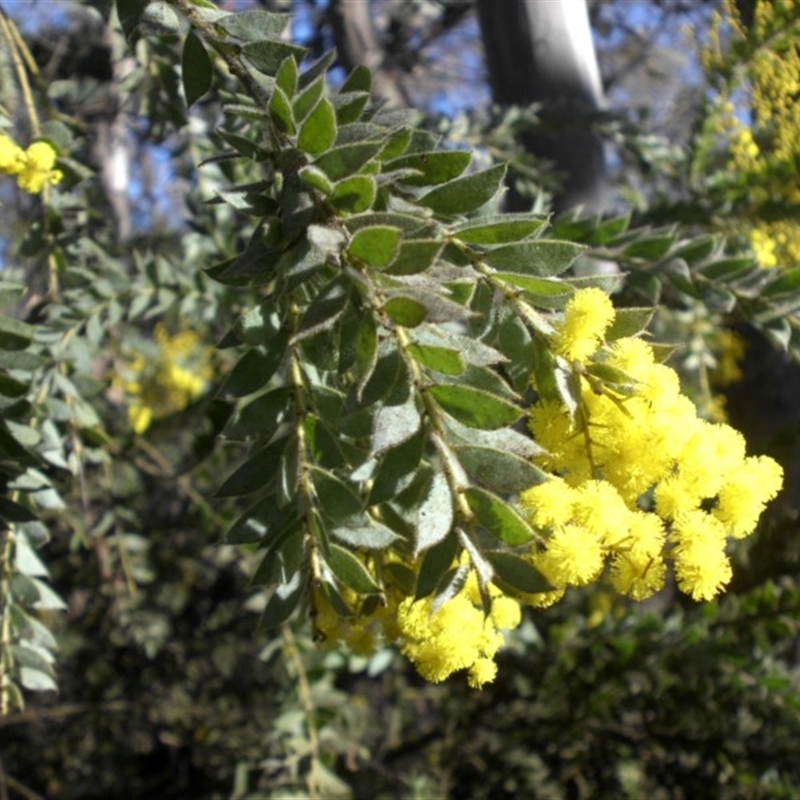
[174, 669]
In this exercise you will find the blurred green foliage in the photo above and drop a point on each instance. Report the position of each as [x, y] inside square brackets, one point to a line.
[170, 679]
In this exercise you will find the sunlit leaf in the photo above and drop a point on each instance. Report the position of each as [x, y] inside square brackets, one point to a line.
[499, 518]
[436, 515]
[463, 195]
[475, 407]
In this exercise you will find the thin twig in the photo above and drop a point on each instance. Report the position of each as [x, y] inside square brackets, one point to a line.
[304, 690]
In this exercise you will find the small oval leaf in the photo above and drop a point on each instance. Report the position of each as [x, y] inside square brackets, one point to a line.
[436, 516]
[350, 571]
[498, 517]
[475, 407]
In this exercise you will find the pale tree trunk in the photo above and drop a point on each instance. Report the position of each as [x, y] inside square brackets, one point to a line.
[541, 51]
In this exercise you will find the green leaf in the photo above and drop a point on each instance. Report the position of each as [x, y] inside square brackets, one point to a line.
[396, 143]
[477, 559]
[35, 680]
[697, 250]
[289, 470]
[787, 282]
[451, 584]
[498, 517]
[545, 291]
[130, 13]
[518, 573]
[650, 248]
[381, 381]
[326, 308]
[268, 56]
[280, 109]
[728, 269]
[376, 245]
[284, 601]
[286, 77]
[373, 536]
[25, 559]
[629, 322]
[253, 26]
[411, 224]
[610, 229]
[543, 257]
[405, 311]
[14, 335]
[307, 99]
[14, 512]
[349, 107]
[316, 178]
[611, 375]
[435, 564]
[498, 470]
[258, 326]
[11, 387]
[507, 440]
[255, 368]
[504, 229]
[396, 470]
[340, 162]
[196, 69]
[359, 80]
[257, 263]
[10, 293]
[318, 131]
[394, 424]
[441, 359]
[354, 195]
[436, 516]
[366, 350]
[261, 417]
[305, 258]
[261, 522]
[436, 307]
[337, 500]
[415, 256]
[323, 446]
[316, 69]
[434, 167]
[464, 195]
[475, 407]
[350, 571]
[256, 472]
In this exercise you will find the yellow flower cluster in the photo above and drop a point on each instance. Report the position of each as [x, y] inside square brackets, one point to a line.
[33, 168]
[767, 151]
[180, 375]
[776, 243]
[458, 635]
[643, 479]
[731, 349]
[439, 641]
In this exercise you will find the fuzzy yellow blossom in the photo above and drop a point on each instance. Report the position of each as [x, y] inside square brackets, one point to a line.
[776, 243]
[643, 481]
[178, 376]
[38, 172]
[730, 352]
[458, 635]
[763, 247]
[12, 157]
[33, 168]
[765, 152]
[586, 318]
